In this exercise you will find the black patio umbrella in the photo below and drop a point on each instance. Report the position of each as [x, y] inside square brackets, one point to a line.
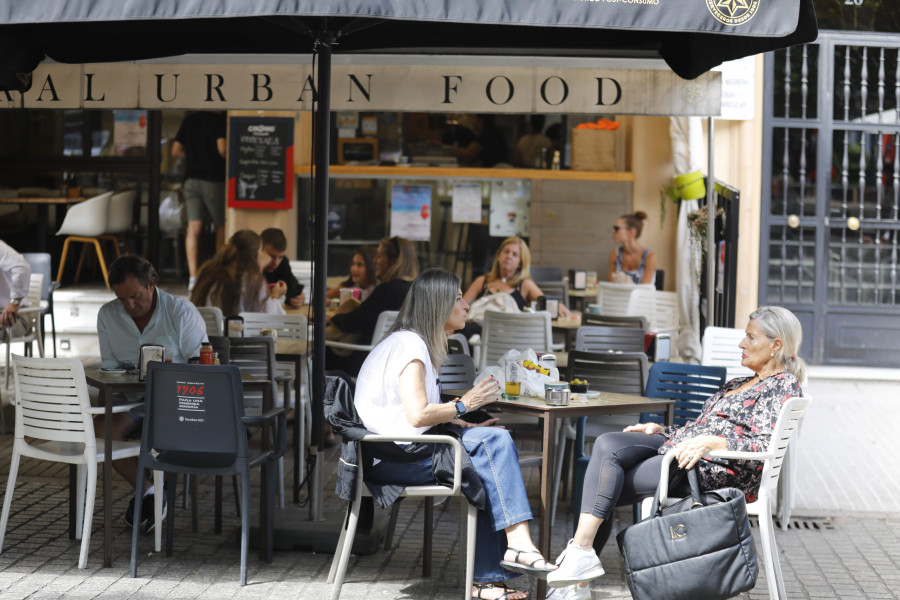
[693, 36]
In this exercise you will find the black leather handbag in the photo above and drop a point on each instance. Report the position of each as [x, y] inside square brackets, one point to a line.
[699, 548]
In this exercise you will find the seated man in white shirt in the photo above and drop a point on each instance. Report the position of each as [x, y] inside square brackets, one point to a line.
[142, 314]
[15, 274]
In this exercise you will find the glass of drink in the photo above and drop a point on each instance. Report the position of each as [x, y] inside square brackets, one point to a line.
[513, 381]
[168, 354]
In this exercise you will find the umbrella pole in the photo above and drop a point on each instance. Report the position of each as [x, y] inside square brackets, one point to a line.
[320, 270]
[712, 255]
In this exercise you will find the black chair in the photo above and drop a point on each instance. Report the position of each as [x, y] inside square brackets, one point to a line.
[546, 273]
[596, 338]
[40, 264]
[624, 373]
[660, 280]
[195, 423]
[617, 321]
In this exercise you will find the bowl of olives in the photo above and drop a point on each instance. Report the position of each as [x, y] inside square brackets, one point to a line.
[579, 386]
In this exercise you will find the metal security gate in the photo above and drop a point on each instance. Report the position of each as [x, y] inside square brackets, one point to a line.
[830, 236]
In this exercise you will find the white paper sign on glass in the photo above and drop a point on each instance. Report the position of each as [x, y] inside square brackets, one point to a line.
[466, 200]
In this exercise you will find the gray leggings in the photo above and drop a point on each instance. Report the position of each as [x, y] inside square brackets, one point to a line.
[624, 469]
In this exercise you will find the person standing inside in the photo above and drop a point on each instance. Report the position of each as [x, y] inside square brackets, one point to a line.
[201, 141]
[274, 245]
[15, 275]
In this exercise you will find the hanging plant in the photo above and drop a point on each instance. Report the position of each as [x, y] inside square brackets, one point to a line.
[667, 193]
[698, 223]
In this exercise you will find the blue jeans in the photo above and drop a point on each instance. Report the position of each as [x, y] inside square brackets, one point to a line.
[496, 461]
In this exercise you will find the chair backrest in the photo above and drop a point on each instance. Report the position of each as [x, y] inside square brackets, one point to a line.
[589, 318]
[502, 332]
[88, 218]
[51, 400]
[660, 280]
[384, 322]
[222, 346]
[214, 319]
[457, 372]
[289, 327]
[193, 416]
[626, 299]
[788, 422]
[595, 338]
[256, 356]
[120, 217]
[546, 273]
[458, 344]
[665, 313]
[556, 289]
[689, 385]
[303, 271]
[720, 349]
[624, 373]
[35, 289]
[40, 263]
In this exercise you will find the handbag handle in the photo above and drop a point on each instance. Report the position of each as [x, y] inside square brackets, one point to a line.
[661, 496]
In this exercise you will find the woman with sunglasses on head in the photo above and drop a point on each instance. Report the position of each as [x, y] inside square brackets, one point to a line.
[631, 262]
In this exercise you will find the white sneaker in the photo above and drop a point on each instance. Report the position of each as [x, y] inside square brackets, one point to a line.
[581, 591]
[191, 283]
[576, 565]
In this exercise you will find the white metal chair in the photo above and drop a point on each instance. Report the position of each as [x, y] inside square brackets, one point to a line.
[458, 344]
[467, 517]
[54, 422]
[31, 312]
[596, 338]
[382, 325]
[303, 271]
[625, 300]
[503, 332]
[720, 349]
[214, 319]
[772, 458]
[84, 223]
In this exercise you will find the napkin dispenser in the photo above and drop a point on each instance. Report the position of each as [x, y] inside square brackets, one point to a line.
[148, 354]
[578, 279]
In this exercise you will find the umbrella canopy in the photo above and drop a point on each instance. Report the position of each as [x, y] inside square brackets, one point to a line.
[691, 35]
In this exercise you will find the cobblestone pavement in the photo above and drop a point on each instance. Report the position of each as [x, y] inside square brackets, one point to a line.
[833, 549]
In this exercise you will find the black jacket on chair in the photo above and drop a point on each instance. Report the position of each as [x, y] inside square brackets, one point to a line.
[341, 413]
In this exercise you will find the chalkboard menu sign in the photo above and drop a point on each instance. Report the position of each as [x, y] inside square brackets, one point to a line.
[261, 162]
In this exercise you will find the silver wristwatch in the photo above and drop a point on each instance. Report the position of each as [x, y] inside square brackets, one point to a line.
[15, 301]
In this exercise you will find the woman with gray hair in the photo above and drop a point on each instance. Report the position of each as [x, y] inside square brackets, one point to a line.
[397, 393]
[625, 467]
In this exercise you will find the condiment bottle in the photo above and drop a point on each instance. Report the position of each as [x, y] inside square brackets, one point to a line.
[206, 354]
[556, 165]
[216, 360]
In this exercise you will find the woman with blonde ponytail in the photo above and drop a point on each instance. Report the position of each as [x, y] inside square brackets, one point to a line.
[233, 279]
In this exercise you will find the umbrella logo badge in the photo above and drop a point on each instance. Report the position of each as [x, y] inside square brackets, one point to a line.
[732, 12]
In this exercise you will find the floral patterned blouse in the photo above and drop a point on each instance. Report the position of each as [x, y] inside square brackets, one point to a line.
[746, 420]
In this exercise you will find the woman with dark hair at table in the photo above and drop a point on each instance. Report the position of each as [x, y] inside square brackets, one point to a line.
[625, 466]
[396, 265]
[233, 279]
[362, 274]
[397, 393]
[630, 262]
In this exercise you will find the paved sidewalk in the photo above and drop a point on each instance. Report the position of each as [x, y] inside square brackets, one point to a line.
[844, 541]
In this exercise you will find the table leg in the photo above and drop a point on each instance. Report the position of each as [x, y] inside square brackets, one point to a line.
[543, 544]
[107, 478]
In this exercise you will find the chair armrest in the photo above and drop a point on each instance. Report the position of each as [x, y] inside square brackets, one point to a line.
[280, 418]
[738, 455]
[347, 346]
[429, 439]
[119, 408]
